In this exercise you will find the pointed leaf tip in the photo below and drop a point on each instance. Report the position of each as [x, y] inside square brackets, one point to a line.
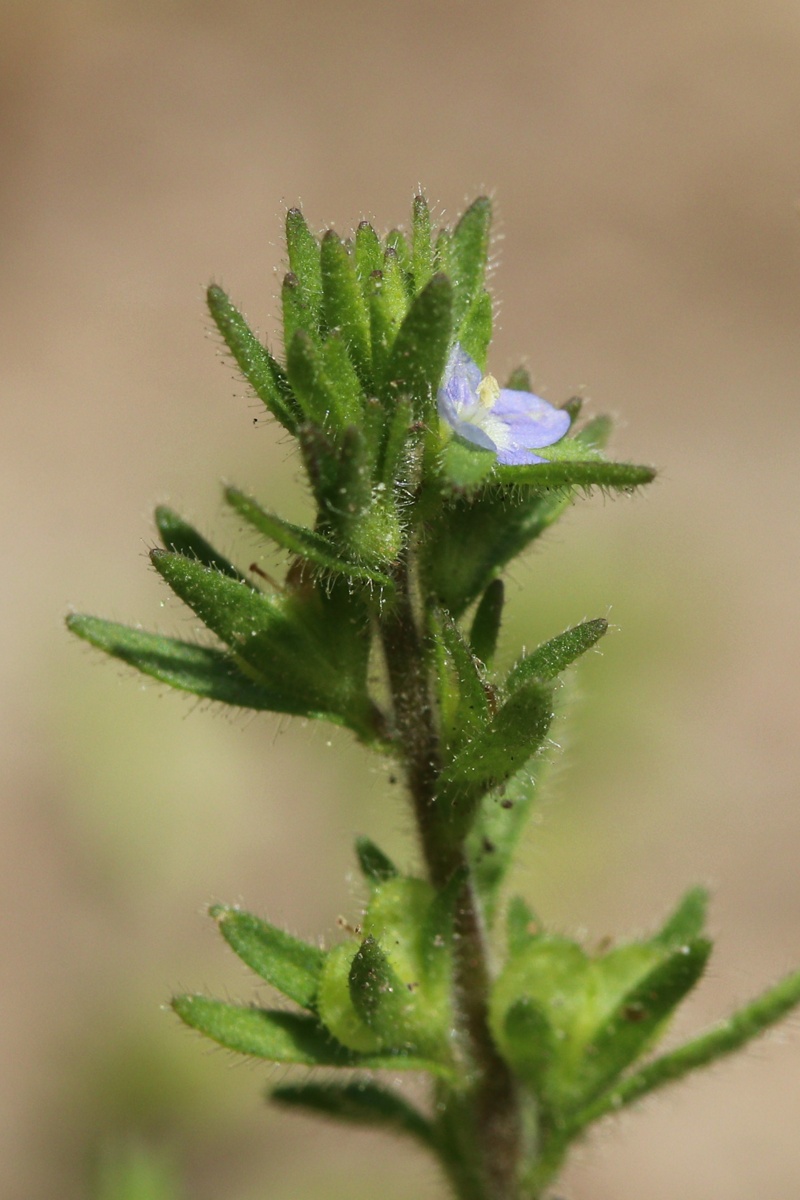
[377, 994]
[253, 359]
[288, 964]
[553, 657]
[375, 866]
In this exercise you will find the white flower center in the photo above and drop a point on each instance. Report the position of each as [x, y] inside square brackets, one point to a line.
[481, 416]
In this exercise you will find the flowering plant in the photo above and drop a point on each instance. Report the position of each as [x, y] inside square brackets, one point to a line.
[428, 479]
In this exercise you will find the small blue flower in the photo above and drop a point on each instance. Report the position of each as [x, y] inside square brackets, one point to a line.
[512, 424]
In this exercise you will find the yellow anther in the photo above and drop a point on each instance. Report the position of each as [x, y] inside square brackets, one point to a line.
[488, 391]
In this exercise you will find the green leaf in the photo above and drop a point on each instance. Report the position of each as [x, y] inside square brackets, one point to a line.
[254, 361]
[308, 650]
[520, 380]
[476, 536]
[335, 1003]
[394, 464]
[321, 462]
[523, 925]
[686, 923]
[291, 966]
[602, 1011]
[486, 622]
[640, 1016]
[595, 433]
[324, 382]
[438, 932]
[232, 610]
[178, 535]
[277, 1036]
[343, 304]
[301, 541]
[397, 917]
[469, 254]
[506, 744]
[499, 823]
[364, 517]
[535, 1005]
[490, 761]
[286, 1037]
[555, 656]
[573, 406]
[403, 923]
[358, 1103]
[475, 332]
[211, 674]
[343, 379]
[462, 692]
[304, 260]
[613, 476]
[417, 359]
[355, 481]
[378, 995]
[397, 244]
[295, 310]
[729, 1035]
[421, 247]
[465, 465]
[388, 305]
[375, 866]
[529, 1041]
[443, 252]
[369, 254]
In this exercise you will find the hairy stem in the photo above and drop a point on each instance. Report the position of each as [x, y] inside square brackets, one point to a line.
[487, 1112]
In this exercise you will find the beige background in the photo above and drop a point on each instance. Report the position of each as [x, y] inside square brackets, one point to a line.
[644, 159]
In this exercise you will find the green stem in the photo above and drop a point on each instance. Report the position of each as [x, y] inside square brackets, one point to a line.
[485, 1122]
[415, 725]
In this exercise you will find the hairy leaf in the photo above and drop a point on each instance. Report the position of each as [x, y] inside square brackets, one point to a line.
[486, 623]
[203, 671]
[343, 304]
[254, 360]
[291, 966]
[555, 656]
[421, 246]
[469, 253]
[178, 535]
[417, 360]
[304, 260]
[303, 542]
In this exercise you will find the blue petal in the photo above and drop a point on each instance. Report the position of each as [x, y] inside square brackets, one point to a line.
[515, 456]
[459, 389]
[531, 421]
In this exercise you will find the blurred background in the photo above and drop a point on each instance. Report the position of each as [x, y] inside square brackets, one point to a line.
[645, 163]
